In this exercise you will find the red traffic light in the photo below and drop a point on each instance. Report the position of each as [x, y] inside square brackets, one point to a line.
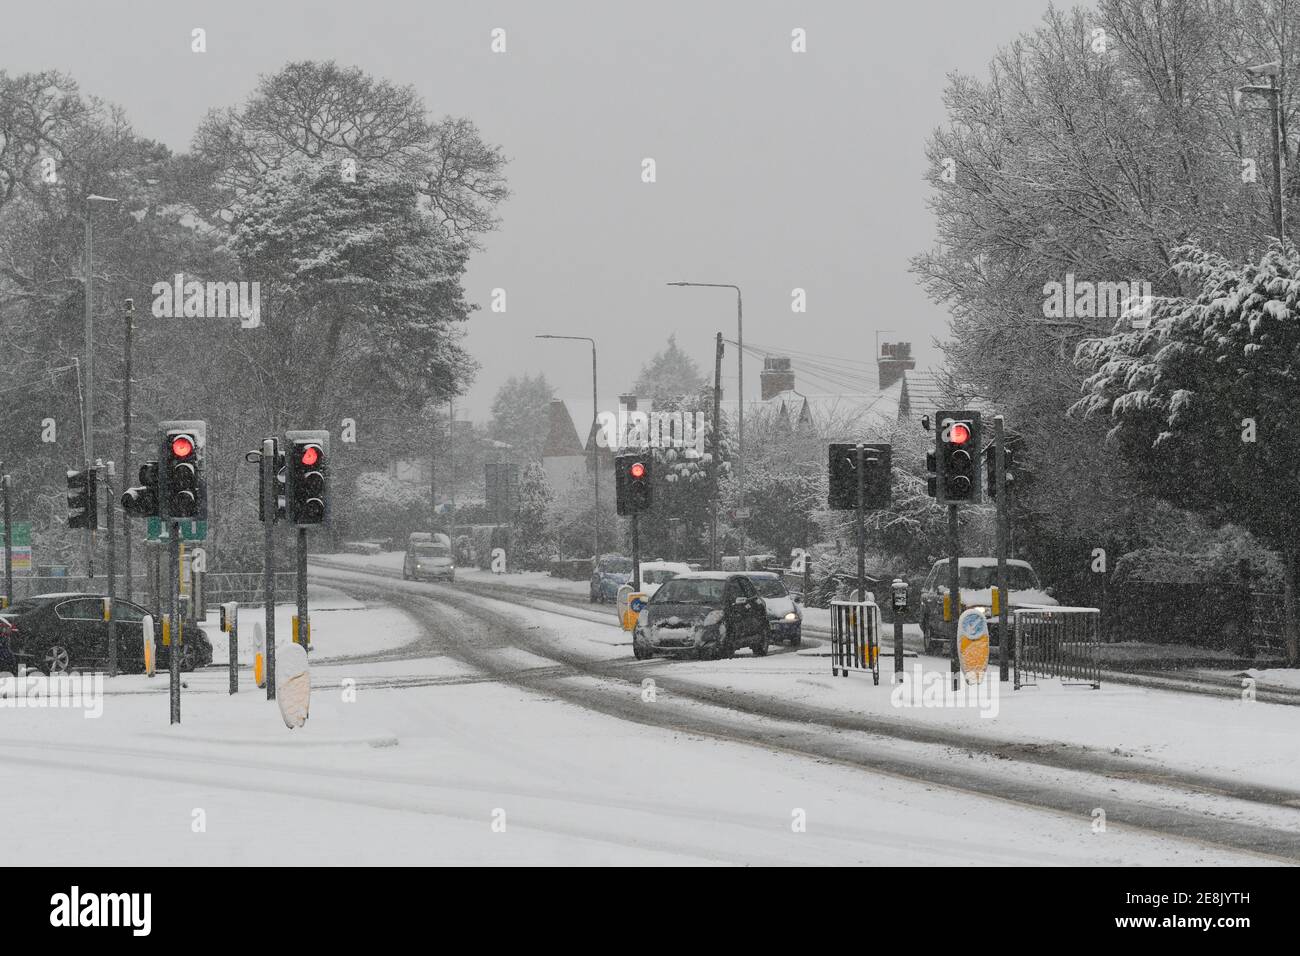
[182, 446]
[959, 433]
[637, 470]
[310, 455]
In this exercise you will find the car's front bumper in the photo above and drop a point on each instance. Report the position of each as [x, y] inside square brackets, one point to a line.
[675, 640]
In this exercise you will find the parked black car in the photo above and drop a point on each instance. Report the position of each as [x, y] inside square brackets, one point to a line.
[54, 633]
[707, 614]
[8, 663]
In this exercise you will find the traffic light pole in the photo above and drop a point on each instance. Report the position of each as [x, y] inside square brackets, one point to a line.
[636, 551]
[1004, 595]
[112, 576]
[270, 509]
[174, 631]
[954, 587]
[303, 635]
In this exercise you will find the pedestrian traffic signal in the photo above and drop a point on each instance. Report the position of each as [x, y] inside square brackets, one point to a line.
[142, 500]
[876, 476]
[307, 481]
[182, 491]
[83, 501]
[632, 488]
[957, 443]
[279, 470]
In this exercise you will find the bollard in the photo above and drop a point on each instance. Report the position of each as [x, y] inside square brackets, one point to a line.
[230, 625]
[259, 657]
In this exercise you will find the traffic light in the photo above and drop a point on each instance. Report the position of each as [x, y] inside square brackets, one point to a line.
[281, 486]
[83, 501]
[957, 440]
[876, 477]
[142, 500]
[932, 474]
[182, 491]
[632, 483]
[307, 481]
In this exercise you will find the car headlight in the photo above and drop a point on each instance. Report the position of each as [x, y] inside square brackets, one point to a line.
[792, 617]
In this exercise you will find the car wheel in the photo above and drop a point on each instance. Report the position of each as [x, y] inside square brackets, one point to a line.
[55, 659]
[760, 646]
[931, 642]
[188, 656]
[639, 650]
[796, 638]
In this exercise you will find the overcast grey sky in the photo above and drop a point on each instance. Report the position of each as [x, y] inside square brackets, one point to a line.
[775, 170]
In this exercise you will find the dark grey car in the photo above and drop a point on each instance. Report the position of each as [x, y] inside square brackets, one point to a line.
[704, 614]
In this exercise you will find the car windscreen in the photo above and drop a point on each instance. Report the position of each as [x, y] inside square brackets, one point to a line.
[770, 587]
[690, 591]
[1019, 578]
[657, 576]
[433, 551]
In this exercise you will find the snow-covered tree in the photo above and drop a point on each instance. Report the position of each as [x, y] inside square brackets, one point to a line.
[671, 374]
[1202, 399]
[533, 546]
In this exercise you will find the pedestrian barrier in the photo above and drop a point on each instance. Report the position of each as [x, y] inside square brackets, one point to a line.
[855, 638]
[1060, 642]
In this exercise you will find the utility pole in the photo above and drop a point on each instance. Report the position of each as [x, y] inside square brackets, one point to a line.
[129, 315]
[1273, 92]
[717, 454]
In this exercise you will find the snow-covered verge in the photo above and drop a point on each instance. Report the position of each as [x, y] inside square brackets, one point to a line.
[422, 762]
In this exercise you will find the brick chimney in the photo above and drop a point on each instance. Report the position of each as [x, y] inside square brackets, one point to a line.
[894, 359]
[777, 376]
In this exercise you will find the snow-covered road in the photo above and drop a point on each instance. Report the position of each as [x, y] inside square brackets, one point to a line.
[425, 758]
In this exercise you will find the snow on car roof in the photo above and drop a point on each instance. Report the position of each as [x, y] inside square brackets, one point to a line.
[983, 562]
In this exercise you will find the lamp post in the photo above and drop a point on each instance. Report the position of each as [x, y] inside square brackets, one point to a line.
[88, 412]
[740, 406]
[1273, 92]
[595, 457]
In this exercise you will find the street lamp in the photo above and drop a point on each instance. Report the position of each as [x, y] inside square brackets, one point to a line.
[1273, 91]
[740, 408]
[88, 411]
[595, 458]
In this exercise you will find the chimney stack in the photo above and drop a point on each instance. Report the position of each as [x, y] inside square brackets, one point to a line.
[894, 359]
[777, 377]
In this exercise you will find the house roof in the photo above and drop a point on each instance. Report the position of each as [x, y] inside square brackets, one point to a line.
[561, 437]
